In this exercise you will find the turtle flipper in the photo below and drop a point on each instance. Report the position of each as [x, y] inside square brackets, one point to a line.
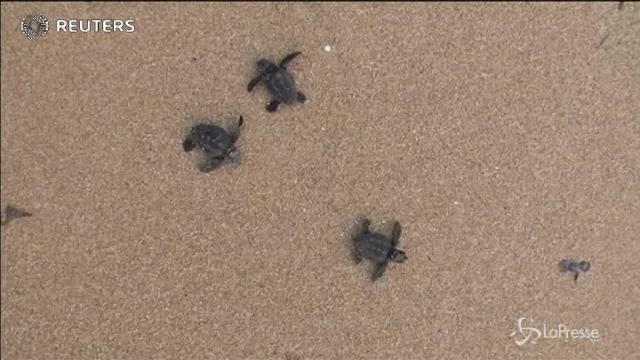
[396, 233]
[362, 229]
[254, 82]
[287, 59]
[235, 132]
[564, 265]
[273, 105]
[356, 257]
[365, 225]
[379, 271]
[301, 97]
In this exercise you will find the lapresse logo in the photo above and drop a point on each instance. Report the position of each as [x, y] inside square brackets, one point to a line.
[36, 25]
[531, 334]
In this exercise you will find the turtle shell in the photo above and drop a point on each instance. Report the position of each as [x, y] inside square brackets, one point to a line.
[374, 247]
[211, 138]
[282, 86]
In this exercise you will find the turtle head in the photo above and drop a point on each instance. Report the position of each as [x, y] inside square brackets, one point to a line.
[266, 67]
[398, 256]
[188, 145]
[584, 266]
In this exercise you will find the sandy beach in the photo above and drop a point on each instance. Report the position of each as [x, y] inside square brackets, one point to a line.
[504, 138]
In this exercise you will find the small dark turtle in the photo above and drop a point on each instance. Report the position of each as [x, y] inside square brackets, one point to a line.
[574, 266]
[378, 248]
[11, 213]
[217, 144]
[279, 81]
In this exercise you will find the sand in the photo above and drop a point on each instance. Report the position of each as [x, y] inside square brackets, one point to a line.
[504, 138]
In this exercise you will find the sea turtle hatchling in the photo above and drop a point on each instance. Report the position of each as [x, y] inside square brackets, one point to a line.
[279, 82]
[10, 213]
[217, 144]
[378, 248]
[575, 267]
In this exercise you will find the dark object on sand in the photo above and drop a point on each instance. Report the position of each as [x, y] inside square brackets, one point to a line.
[378, 248]
[11, 213]
[279, 82]
[575, 267]
[217, 143]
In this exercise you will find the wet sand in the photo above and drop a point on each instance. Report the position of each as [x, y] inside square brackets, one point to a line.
[503, 138]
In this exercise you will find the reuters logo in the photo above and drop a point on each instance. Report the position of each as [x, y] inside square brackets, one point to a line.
[34, 25]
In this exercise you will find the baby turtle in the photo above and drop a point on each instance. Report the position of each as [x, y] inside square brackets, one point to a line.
[11, 213]
[575, 267]
[378, 248]
[279, 81]
[217, 144]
